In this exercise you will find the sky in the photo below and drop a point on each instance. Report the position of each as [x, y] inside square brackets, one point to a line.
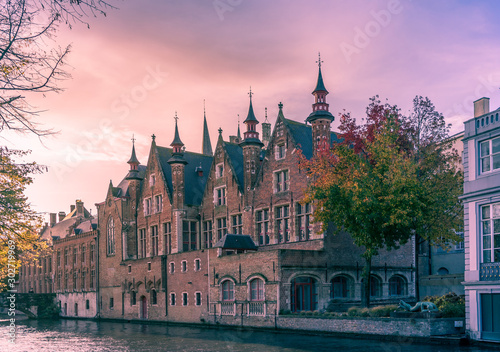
[134, 69]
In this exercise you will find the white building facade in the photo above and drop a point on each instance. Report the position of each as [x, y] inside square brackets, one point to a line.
[482, 222]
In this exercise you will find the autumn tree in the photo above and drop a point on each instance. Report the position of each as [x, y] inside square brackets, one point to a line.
[372, 186]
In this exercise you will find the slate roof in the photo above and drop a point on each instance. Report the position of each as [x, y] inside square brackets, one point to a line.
[320, 86]
[251, 115]
[122, 189]
[86, 226]
[302, 135]
[235, 155]
[194, 184]
[230, 241]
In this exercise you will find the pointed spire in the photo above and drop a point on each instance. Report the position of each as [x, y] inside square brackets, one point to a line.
[238, 135]
[320, 86]
[280, 112]
[206, 144]
[177, 140]
[251, 115]
[133, 173]
[133, 158]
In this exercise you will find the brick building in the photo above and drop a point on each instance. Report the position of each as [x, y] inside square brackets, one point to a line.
[223, 237]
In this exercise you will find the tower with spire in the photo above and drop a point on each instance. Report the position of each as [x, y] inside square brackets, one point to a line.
[266, 131]
[252, 147]
[177, 163]
[207, 146]
[320, 118]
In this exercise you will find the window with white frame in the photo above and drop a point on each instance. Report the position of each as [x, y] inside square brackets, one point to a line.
[237, 224]
[197, 265]
[142, 243]
[183, 266]
[147, 206]
[281, 181]
[189, 236]
[283, 223]
[303, 221]
[220, 196]
[280, 151]
[158, 203]
[172, 267]
[219, 170]
[110, 237]
[197, 298]
[490, 231]
[154, 240]
[489, 153]
[184, 298]
[221, 228]
[262, 226]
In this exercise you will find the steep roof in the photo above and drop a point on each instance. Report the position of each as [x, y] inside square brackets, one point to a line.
[302, 135]
[195, 185]
[207, 146]
[122, 189]
[320, 86]
[235, 155]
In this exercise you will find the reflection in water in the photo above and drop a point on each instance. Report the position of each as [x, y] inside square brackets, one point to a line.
[83, 336]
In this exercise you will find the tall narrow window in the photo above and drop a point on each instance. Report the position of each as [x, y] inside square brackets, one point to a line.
[184, 299]
[158, 203]
[228, 290]
[280, 151]
[154, 240]
[237, 223]
[207, 234]
[75, 279]
[220, 196]
[303, 221]
[256, 290]
[84, 253]
[154, 297]
[219, 170]
[221, 228]
[92, 252]
[189, 236]
[65, 256]
[262, 222]
[197, 298]
[58, 259]
[142, 243]
[92, 279]
[490, 231]
[74, 255]
[172, 299]
[167, 237]
[281, 181]
[147, 206]
[84, 274]
[111, 236]
[282, 223]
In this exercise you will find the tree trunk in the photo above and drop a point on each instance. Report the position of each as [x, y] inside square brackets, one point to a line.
[365, 300]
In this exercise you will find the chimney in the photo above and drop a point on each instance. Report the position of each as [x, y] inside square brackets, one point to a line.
[79, 208]
[71, 208]
[53, 219]
[62, 215]
[481, 106]
[234, 139]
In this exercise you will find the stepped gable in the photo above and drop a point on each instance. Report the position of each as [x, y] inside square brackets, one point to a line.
[195, 184]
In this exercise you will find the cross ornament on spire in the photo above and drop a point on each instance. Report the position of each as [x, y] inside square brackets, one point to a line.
[204, 111]
[250, 93]
[176, 117]
[133, 139]
[319, 60]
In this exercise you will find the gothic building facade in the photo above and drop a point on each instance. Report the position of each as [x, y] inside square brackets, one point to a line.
[225, 237]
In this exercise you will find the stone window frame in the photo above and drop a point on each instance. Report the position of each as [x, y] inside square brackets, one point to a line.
[158, 203]
[393, 284]
[490, 156]
[220, 199]
[184, 266]
[349, 286]
[155, 240]
[283, 221]
[280, 150]
[252, 279]
[197, 264]
[171, 267]
[237, 227]
[207, 233]
[281, 180]
[262, 223]
[142, 245]
[303, 213]
[172, 299]
[147, 206]
[230, 290]
[152, 180]
[489, 224]
[167, 237]
[185, 299]
[223, 229]
[219, 170]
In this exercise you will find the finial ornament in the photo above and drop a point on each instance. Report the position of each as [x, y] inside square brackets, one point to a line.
[220, 130]
[265, 109]
[319, 60]
[250, 93]
[280, 105]
[176, 117]
[153, 137]
[133, 139]
[204, 111]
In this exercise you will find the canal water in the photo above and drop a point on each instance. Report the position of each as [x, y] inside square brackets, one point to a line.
[83, 336]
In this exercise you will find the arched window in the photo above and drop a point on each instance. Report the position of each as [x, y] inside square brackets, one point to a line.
[397, 286]
[375, 287]
[304, 294]
[228, 291]
[341, 287]
[256, 290]
[443, 271]
[154, 297]
[111, 236]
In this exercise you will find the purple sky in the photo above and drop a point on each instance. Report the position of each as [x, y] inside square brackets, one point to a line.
[132, 70]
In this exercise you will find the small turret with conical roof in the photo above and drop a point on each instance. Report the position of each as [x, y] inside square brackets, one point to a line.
[252, 147]
[133, 172]
[320, 118]
[178, 163]
[177, 147]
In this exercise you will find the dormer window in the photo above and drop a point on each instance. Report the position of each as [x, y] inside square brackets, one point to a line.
[219, 170]
[280, 151]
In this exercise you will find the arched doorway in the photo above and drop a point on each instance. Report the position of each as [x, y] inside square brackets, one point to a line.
[304, 294]
[144, 308]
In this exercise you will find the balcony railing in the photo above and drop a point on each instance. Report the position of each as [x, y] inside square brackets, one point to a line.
[490, 272]
[256, 308]
[227, 308]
